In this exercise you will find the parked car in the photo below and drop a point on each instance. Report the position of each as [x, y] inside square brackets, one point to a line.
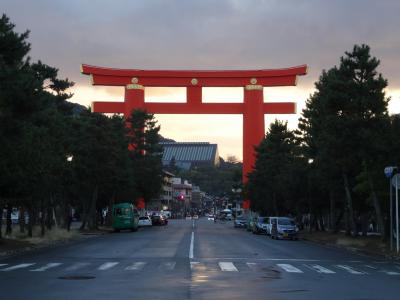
[285, 228]
[159, 220]
[260, 225]
[239, 222]
[145, 221]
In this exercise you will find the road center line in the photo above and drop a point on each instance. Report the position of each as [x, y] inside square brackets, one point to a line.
[191, 246]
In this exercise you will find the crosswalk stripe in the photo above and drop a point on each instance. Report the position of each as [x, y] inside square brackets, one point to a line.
[20, 266]
[350, 270]
[390, 272]
[227, 266]
[289, 268]
[136, 266]
[107, 265]
[321, 269]
[170, 265]
[252, 266]
[46, 267]
[193, 264]
[77, 266]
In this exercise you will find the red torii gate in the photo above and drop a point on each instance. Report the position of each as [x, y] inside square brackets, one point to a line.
[253, 107]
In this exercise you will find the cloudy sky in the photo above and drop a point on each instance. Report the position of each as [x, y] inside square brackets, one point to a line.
[219, 34]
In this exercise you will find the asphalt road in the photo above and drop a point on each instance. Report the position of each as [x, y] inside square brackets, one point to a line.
[196, 260]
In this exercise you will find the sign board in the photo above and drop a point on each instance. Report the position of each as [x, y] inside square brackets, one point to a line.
[389, 171]
[396, 178]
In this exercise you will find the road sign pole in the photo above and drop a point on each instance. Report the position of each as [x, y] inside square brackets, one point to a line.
[397, 216]
[391, 213]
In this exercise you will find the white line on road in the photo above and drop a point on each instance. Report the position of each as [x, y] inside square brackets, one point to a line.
[390, 272]
[169, 265]
[20, 266]
[320, 269]
[77, 266]
[191, 246]
[2, 265]
[350, 270]
[252, 266]
[193, 264]
[107, 265]
[136, 266]
[289, 268]
[227, 267]
[46, 267]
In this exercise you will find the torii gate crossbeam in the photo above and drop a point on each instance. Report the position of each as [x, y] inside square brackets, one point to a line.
[252, 109]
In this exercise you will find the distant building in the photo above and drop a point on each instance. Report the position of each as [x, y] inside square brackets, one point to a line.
[182, 192]
[189, 154]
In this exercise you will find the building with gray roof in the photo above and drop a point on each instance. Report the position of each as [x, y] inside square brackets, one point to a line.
[189, 154]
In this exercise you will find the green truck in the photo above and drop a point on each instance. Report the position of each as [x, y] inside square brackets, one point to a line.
[125, 216]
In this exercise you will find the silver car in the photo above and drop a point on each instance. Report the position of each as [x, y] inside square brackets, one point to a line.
[284, 228]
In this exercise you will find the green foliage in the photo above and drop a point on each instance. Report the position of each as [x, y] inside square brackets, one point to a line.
[274, 182]
[39, 129]
[146, 153]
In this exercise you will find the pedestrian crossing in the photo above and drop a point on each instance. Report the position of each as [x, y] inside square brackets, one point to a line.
[227, 267]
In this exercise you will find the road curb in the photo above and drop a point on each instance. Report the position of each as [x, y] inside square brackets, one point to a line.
[353, 249]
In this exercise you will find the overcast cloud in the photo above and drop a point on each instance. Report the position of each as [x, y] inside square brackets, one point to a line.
[219, 34]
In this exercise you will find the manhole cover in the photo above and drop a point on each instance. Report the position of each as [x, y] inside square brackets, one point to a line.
[77, 277]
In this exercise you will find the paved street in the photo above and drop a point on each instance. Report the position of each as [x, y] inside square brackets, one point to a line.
[196, 260]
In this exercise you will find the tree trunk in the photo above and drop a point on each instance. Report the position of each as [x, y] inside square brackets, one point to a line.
[377, 206]
[332, 208]
[338, 220]
[8, 220]
[42, 219]
[92, 209]
[1, 219]
[30, 223]
[21, 219]
[275, 204]
[349, 204]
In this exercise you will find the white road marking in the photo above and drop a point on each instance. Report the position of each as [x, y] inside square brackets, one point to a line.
[2, 265]
[191, 246]
[227, 267]
[289, 268]
[193, 264]
[371, 267]
[264, 259]
[136, 266]
[77, 266]
[321, 269]
[350, 270]
[46, 267]
[169, 265]
[20, 266]
[252, 266]
[390, 272]
[107, 265]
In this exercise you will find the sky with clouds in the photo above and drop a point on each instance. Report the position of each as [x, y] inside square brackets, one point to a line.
[208, 34]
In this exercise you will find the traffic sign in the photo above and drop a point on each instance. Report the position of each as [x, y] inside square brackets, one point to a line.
[389, 171]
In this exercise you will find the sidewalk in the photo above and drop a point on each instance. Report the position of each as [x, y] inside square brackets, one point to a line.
[371, 245]
[19, 243]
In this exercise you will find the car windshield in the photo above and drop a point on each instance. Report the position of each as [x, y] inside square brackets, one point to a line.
[285, 222]
[143, 218]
